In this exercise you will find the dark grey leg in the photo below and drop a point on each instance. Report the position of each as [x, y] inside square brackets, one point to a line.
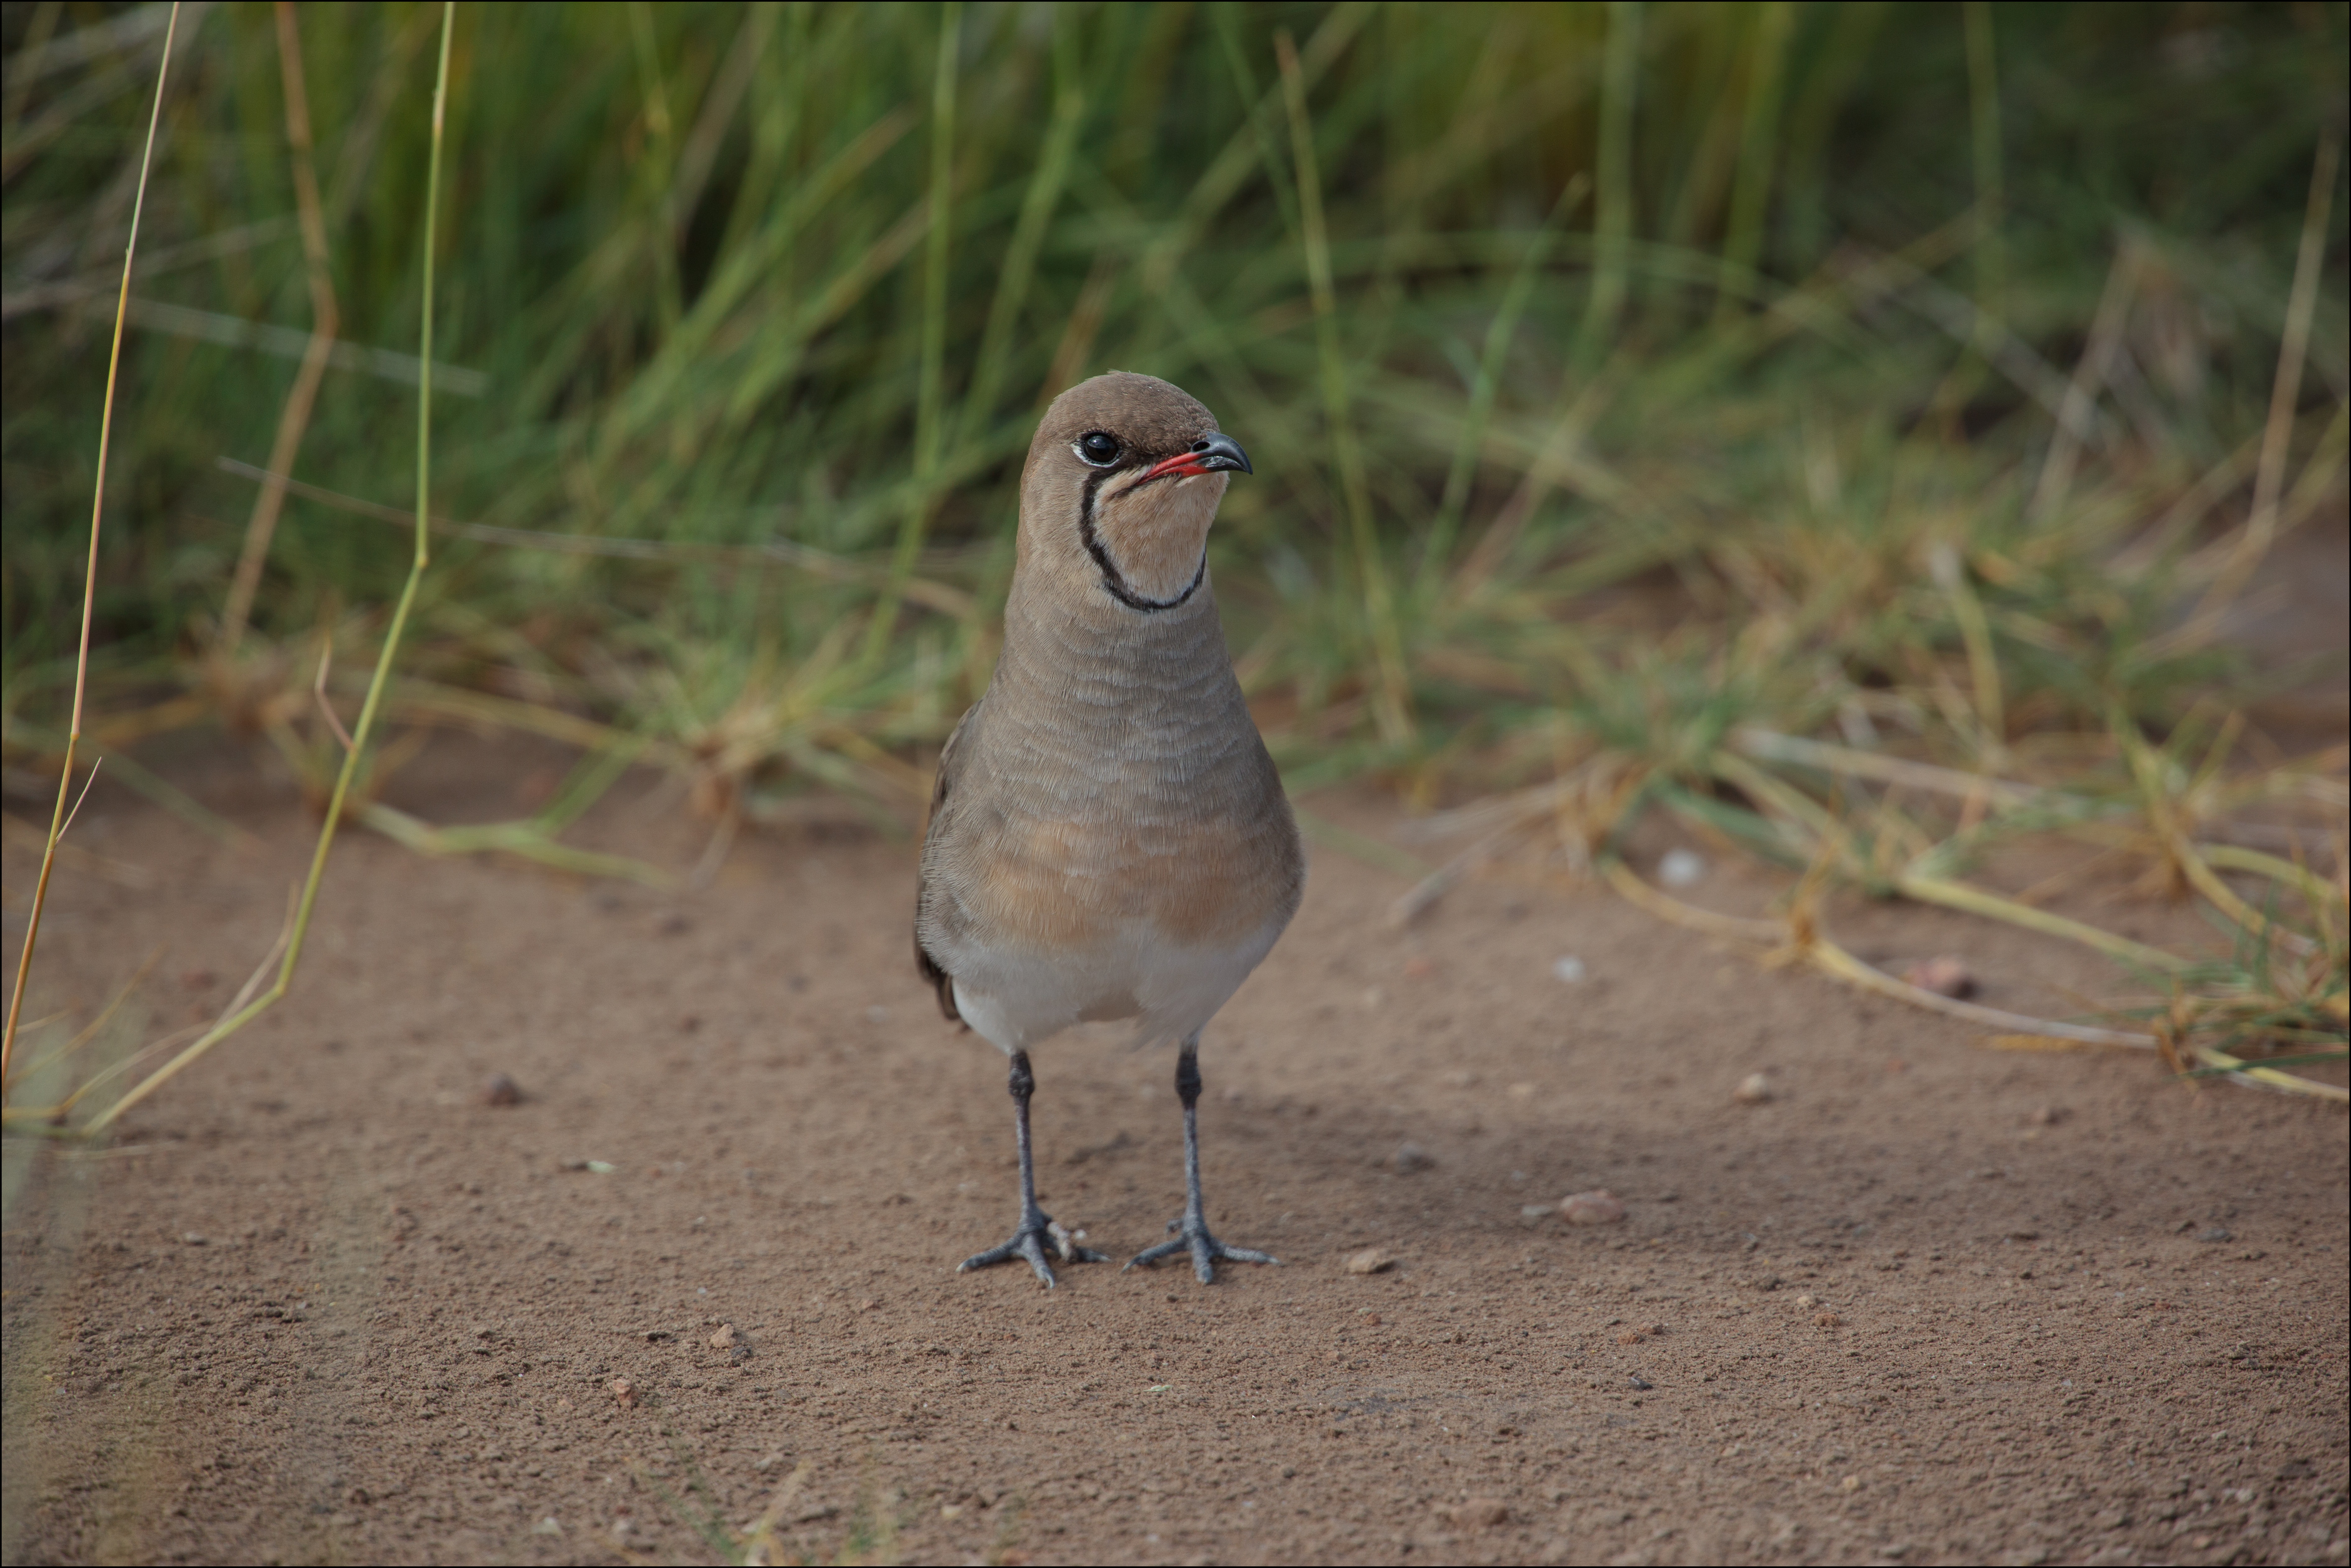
[1204, 1247]
[1038, 1231]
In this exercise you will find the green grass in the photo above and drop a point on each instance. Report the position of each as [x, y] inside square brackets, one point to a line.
[1619, 379]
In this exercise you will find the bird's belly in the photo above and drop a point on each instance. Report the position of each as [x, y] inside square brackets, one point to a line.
[1018, 996]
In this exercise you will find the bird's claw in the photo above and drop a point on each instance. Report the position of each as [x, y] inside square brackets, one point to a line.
[1038, 1234]
[1204, 1247]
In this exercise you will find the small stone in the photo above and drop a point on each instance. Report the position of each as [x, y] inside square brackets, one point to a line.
[1946, 975]
[1535, 1213]
[2114, 1521]
[1369, 1260]
[1807, 1301]
[624, 1391]
[1598, 1207]
[1643, 1384]
[1827, 1320]
[547, 1526]
[725, 1338]
[1850, 1483]
[1631, 1336]
[950, 1510]
[1568, 969]
[2045, 1115]
[501, 1090]
[2216, 1233]
[1410, 1158]
[193, 1239]
[1681, 867]
[1754, 1089]
[1482, 1513]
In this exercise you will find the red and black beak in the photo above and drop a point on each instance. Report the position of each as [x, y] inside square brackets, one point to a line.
[1214, 452]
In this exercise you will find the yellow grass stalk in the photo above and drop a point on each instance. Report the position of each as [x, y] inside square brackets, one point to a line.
[300, 923]
[90, 577]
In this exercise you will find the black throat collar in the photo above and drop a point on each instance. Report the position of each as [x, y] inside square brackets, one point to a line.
[1113, 578]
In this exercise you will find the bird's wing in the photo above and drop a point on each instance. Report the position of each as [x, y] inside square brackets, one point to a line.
[940, 981]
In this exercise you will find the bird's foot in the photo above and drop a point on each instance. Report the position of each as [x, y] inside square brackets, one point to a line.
[1040, 1233]
[1204, 1247]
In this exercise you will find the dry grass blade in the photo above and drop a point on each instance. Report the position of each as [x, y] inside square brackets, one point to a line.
[1392, 704]
[1831, 959]
[89, 576]
[240, 1015]
[947, 600]
[2255, 1075]
[326, 321]
[2269, 476]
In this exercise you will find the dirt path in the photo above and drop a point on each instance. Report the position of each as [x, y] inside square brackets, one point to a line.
[1930, 1302]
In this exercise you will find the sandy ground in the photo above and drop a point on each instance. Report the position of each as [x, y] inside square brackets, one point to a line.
[1929, 1303]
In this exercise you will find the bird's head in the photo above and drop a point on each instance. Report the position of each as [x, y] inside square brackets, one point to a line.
[1121, 484]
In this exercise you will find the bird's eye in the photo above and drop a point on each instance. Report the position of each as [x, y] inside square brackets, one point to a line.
[1098, 448]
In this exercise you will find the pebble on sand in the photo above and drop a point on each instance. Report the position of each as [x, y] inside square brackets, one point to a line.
[1568, 969]
[1754, 1089]
[624, 1391]
[501, 1090]
[1369, 1260]
[1478, 1513]
[1600, 1207]
[1681, 867]
[725, 1338]
[1945, 975]
[1410, 1158]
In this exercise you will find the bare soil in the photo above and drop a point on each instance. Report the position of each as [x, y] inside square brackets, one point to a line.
[1931, 1301]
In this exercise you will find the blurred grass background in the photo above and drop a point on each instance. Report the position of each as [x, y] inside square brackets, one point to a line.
[1632, 388]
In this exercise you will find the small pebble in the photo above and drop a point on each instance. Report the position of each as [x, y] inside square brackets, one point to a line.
[501, 1090]
[1945, 975]
[193, 1239]
[2213, 1233]
[1681, 867]
[1850, 1483]
[1642, 1383]
[1410, 1158]
[1531, 1212]
[1599, 1208]
[547, 1526]
[1568, 969]
[625, 1391]
[725, 1338]
[1807, 1302]
[1754, 1089]
[2045, 1115]
[1828, 1320]
[1481, 1513]
[1369, 1260]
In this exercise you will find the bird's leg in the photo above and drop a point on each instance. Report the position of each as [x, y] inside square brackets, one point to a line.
[1038, 1229]
[1204, 1247]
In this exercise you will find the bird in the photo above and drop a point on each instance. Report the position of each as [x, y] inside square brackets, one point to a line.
[1108, 836]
